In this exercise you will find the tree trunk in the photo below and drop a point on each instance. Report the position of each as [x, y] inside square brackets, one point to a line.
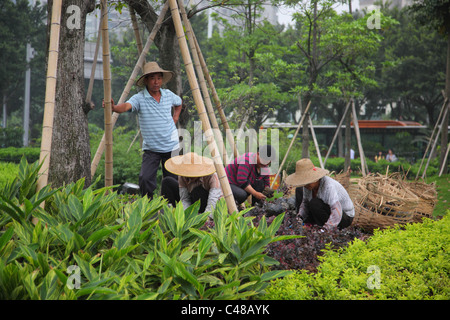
[70, 152]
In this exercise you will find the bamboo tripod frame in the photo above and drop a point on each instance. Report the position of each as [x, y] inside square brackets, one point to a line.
[438, 126]
[202, 83]
[201, 67]
[338, 128]
[364, 168]
[50, 92]
[228, 195]
[223, 118]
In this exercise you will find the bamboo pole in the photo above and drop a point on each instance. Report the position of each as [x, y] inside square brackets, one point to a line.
[444, 114]
[137, 35]
[313, 134]
[228, 195]
[50, 92]
[436, 125]
[358, 139]
[292, 142]
[107, 97]
[337, 132]
[136, 30]
[444, 163]
[223, 118]
[126, 91]
[94, 63]
[202, 83]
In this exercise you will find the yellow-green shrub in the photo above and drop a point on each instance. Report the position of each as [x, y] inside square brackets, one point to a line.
[413, 263]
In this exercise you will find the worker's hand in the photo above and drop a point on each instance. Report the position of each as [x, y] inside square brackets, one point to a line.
[268, 192]
[259, 196]
[112, 104]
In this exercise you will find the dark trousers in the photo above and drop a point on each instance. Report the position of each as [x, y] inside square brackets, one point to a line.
[149, 168]
[318, 212]
[171, 191]
[240, 195]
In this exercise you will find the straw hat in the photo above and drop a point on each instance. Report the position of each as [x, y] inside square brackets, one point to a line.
[190, 165]
[305, 173]
[153, 67]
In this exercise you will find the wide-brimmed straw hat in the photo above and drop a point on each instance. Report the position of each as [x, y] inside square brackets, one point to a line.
[305, 173]
[153, 67]
[190, 165]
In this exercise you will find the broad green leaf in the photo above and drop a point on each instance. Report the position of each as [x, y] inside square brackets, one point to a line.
[163, 287]
[75, 207]
[101, 233]
[124, 238]
[6, 237]
[268, 276]
[148, 260]
[63, 232]
[134, 221]
[275, 225]
[49, 289]
[186, 255]
[95, 288]
[30, 286]
[165, 258]
[203, 248]
[181, 271]
[148, 296]
[43, 263]
[11, 209]
[87, 270]
[179, 220]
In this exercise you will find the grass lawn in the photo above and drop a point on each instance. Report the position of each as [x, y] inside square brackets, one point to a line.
[443, 189]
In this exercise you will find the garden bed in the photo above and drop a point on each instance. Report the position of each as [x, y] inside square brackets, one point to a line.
[303, 253]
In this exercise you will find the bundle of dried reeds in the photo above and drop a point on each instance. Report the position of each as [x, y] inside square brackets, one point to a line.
[386, 200]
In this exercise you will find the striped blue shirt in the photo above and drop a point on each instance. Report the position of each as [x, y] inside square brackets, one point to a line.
[159, 132]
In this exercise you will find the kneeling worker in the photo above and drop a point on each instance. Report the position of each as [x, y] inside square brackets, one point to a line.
[322, 200]
[197, 180]
[249, 175]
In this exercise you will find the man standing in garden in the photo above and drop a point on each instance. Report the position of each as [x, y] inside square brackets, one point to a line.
[160, 136]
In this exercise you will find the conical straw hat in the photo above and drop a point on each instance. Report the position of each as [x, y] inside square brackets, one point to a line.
[153, 67]
[190, 165]
[305, 173]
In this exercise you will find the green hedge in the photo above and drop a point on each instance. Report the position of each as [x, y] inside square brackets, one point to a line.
[413, 263]
[382, 166]
[12, 154]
